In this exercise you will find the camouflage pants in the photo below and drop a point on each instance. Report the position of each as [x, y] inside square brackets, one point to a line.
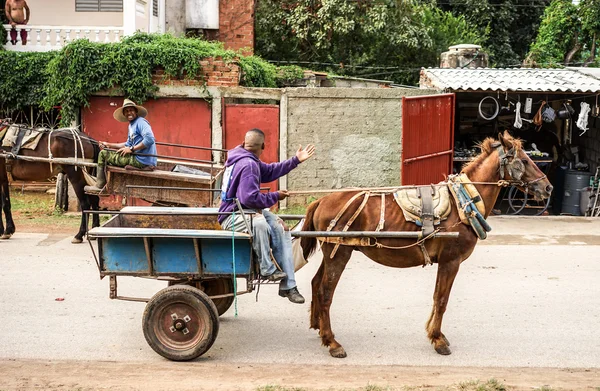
[114, 159]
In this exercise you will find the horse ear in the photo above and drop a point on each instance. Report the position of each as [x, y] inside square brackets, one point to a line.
[504, 140]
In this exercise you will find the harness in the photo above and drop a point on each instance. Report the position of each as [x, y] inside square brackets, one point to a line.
[468, 200]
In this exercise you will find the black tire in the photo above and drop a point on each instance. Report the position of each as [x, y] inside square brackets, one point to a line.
[180, 323]
[213, 287]
[517, 204]
[219, 286]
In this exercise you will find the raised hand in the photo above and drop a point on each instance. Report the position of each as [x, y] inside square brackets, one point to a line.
[306, 153]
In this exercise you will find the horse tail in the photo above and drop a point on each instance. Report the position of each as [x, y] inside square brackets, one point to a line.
[309, 245]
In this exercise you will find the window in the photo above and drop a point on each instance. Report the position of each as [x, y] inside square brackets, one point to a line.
[99, 5]
[154, 7]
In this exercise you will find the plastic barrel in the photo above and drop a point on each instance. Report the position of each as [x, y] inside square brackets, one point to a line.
[574, 181]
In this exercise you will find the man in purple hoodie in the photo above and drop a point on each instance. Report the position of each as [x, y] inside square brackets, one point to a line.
[244, 172]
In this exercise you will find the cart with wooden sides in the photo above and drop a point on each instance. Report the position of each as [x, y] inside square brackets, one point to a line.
[200, 262]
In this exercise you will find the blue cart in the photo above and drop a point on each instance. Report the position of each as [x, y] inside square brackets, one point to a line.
[200, 262]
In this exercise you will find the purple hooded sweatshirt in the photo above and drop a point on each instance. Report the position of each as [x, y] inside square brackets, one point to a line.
[247, 174]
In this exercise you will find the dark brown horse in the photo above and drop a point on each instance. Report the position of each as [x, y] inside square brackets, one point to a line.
[447, 253]
[62, 145]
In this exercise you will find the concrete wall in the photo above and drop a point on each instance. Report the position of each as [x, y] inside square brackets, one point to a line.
[357, 133]
[62, 13]
[175, 17]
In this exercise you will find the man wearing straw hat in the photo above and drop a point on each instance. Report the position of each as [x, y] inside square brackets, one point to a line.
[140, 141]
[244, 172]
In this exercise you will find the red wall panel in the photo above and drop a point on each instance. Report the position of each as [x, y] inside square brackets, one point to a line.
[239, 118]
[427, 138]
[176, 121]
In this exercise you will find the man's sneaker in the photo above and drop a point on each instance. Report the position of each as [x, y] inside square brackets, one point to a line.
[276, 276]
[293, 295]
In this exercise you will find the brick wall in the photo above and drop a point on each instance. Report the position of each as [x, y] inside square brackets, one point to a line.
[215, 71]
[236, 25]
[357, 133]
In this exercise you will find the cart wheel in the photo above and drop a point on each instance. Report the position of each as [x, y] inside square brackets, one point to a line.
[220, 286]
[180, 323]
[517, 200]
[214, 287]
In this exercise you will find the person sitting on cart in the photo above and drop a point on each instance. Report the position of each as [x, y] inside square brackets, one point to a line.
[244, 172]
[140, 140]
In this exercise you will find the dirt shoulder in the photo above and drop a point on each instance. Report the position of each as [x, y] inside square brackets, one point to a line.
[88, 375]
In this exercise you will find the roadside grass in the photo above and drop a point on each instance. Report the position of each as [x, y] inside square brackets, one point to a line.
[472, 385]
[34, 211]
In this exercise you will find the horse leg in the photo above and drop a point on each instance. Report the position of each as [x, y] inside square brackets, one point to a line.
[445, 278]
[314, 305]
[95, 204]
[332, 272]
[7, 232]
[78, 182]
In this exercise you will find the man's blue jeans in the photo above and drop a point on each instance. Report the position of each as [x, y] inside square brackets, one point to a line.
[268, 233]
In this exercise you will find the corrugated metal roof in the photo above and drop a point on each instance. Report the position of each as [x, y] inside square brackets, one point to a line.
[498, 79]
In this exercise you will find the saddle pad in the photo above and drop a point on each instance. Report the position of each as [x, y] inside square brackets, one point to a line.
[30, 139]
[412, 207]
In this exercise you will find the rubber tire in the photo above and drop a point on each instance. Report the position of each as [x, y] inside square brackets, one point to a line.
[188, 296]
[219, 286]
[214, 287]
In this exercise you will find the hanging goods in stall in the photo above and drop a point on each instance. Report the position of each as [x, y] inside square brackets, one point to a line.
[582, 121]
[489, 100]
[565, 112]
[518, 122]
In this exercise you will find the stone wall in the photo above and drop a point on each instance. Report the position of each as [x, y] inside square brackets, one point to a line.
[357, 133]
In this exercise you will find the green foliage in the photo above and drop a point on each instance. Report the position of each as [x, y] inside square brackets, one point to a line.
[358, 38]
[555, 35]
[23, 78]
[287, 74]
[68, 77]
[508, 26]
[568, 34]
[3, 36]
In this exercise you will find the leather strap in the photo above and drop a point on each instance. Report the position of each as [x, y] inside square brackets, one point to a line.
[354, 216]
[382, 214]
[17, 147]
[427, 211]
[333, 222]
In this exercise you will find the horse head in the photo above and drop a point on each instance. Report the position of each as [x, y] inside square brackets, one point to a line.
[518, 168]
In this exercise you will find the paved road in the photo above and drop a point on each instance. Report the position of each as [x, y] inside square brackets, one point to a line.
[527, 297]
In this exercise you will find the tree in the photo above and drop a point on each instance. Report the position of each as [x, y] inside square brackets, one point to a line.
[509, 25]
[568, 34]
[388, 39]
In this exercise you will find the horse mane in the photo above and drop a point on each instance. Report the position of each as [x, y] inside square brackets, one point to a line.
[486, 149]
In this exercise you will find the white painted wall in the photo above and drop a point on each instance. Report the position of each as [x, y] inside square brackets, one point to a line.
[62, 13]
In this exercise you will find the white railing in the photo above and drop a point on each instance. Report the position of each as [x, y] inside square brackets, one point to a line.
[45, 38]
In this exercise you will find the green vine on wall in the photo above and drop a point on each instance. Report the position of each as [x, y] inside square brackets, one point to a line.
[68, 77]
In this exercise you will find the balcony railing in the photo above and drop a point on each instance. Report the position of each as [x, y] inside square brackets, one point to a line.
[45, 38]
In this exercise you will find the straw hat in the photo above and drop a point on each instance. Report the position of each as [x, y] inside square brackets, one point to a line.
[118, 114]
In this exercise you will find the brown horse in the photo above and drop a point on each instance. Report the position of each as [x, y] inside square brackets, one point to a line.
[62, 144]
[504, 160]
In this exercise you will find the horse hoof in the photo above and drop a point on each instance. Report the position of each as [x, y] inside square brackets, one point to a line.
[76, 241]
[443, 350]
[338, 352]
[5, 236]
[446, 340]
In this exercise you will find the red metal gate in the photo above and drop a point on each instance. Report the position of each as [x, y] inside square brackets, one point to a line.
[176, 121]
[239, 118]
[427, 138]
